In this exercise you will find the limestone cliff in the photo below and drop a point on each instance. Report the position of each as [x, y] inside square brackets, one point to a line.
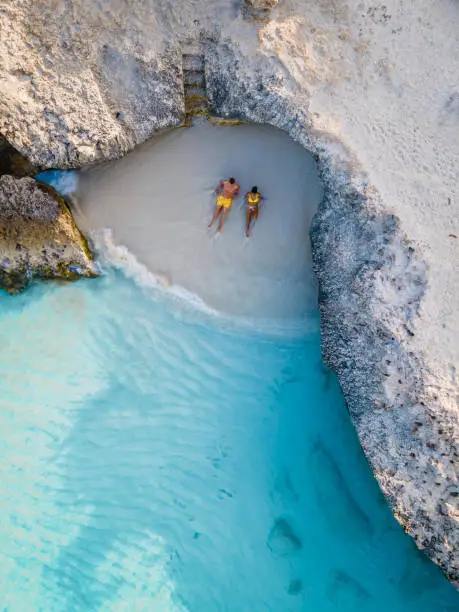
[38, 237]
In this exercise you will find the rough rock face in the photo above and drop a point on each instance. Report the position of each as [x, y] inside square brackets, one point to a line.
[372, 91]
[38, 236]
[86, 98]
[410, 440]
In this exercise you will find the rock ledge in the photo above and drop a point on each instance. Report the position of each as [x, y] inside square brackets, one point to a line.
[38, 236]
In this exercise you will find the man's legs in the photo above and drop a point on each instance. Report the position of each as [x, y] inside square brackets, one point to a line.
[217, 211]
[222, 219]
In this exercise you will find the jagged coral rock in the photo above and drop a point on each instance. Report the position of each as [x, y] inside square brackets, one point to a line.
[38, 236]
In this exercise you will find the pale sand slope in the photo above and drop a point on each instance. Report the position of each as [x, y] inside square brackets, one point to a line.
[159, 199]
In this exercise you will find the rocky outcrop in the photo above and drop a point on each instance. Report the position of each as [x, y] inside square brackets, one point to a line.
[86, 97]
[345, 80]
[38, 236]
[410, 440]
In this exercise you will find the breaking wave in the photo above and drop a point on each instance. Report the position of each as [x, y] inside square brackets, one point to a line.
[111, 255]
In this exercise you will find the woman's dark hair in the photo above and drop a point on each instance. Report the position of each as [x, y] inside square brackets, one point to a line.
[232, 181]
[255, 189]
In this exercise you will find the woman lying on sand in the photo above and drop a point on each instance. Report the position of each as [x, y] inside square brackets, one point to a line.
[253, 199]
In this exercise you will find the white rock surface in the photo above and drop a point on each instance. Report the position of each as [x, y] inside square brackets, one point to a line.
[373, 90]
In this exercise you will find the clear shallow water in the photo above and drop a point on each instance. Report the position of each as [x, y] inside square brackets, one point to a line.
[157, 460]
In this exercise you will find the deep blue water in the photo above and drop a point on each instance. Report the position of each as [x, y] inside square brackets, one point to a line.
[155, 459]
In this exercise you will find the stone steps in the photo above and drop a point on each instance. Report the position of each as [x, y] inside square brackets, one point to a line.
[258, 10]
[194, 78]
[258, 15]
[192, 62]
[195, 106]
[193, 91]
[194, 82]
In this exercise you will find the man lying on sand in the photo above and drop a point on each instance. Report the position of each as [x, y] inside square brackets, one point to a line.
[229, 189]
[253, 198]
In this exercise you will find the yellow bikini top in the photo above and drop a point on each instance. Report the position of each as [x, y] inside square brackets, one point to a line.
[254, 198]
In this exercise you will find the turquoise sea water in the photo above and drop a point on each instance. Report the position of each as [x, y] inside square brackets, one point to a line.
[158, 459]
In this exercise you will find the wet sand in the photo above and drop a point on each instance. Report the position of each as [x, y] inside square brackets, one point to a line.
[159, 199]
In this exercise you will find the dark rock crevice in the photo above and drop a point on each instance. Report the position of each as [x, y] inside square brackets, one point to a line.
[14, 163]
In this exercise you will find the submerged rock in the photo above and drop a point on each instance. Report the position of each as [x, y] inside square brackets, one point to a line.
[38, 236]
[295, 587]
[346, 591]
[282, 540]
[329, 483]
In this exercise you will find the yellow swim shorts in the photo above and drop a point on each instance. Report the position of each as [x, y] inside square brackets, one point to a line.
[225, 202]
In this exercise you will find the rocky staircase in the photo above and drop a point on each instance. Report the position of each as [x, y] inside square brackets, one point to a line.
[258, 10]
[252, 12]
[194, 82]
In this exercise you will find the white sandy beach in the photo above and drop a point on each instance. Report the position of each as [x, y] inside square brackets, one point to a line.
[159, 200]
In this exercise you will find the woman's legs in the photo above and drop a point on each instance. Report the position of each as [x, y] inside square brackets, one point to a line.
[251, 214]
[247, 222]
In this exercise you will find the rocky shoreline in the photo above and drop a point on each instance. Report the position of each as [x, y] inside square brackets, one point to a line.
[38, 236]
[408, 437]
[373, 281]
